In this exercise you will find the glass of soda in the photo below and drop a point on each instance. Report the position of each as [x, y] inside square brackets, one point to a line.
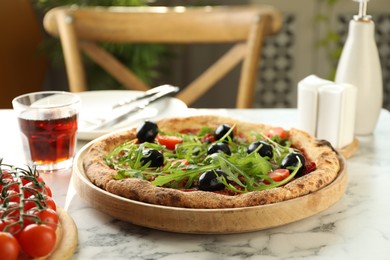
[48, 125]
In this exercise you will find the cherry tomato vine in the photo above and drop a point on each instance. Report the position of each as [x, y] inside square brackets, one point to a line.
[27, 212]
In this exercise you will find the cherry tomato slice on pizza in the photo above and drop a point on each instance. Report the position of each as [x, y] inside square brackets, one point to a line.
[170, 142]
[278, 175]
[278, 131]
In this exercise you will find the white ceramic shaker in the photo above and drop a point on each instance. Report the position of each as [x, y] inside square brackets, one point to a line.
[359, 65]
[308, 102]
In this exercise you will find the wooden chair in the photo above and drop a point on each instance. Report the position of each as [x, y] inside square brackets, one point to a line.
[246, 26]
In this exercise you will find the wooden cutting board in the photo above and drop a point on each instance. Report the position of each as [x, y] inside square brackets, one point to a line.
[206, 221]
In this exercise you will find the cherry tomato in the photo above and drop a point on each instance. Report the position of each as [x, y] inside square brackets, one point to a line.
[37, 240]
[29, 204]
[12, 210]
[47, 191]
[27, 179]
[50, 203]
[46, 202]
[11, 226]
[170, 142]
[179, 163]
[9, 187]
[13, 196]
[9, 247]
[32, 188]
[278, 131]
[278, 175]
[3, 224]
[208, 138]
[47, 216]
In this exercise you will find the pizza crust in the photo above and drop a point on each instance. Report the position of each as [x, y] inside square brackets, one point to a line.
[320, 152]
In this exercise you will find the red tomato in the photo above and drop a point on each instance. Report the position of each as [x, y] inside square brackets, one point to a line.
[47, 216]
[209, 138]
[46, 202]
[278, 131]
[32, 188]
[179, 163]
[9, 247]
[12, 211]
[29, 204]
[278, 175]
[170, 142]
[11, 226]
[13, 196]
[14, 186]
[37, 240]
[3, 224]
[27, 179]
[50, 203]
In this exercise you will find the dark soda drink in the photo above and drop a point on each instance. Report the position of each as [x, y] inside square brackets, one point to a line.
[49, 141]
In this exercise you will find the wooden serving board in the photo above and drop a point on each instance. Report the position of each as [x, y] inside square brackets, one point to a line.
[206, 221]
[349, 150]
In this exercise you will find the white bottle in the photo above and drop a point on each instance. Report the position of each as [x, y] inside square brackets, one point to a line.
[359, 65]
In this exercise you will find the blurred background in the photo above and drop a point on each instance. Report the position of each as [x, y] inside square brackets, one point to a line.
[310, 42]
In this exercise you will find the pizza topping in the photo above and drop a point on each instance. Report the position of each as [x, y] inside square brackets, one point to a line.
[262, 147]
[219, 148]
[152, 158]
[223, 131]
[291, 161]
[209, 180]
[229, 163]
[278, 175]
[169, 142]
[147, 131]
[276, 132]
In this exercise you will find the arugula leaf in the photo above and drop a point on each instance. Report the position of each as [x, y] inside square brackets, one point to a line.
[244, 172]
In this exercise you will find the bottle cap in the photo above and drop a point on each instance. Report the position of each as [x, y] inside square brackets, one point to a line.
[362, 15]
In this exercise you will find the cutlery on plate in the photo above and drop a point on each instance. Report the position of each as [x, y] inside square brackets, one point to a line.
[143, 103]
[147, 94]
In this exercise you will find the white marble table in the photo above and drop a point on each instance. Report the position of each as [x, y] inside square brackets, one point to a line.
[356, 227]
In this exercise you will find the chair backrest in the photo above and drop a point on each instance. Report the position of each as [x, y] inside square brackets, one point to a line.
[244, 26]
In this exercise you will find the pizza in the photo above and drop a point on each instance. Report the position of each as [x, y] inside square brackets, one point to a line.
[210, 162]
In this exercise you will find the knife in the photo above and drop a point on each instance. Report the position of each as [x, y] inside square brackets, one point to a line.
[142, 105]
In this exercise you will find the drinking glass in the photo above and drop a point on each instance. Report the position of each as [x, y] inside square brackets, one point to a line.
[48, 125]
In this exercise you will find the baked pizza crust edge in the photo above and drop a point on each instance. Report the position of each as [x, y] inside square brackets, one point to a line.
[320, 152]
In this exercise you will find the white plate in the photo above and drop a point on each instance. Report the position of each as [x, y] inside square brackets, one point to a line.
[97, 104]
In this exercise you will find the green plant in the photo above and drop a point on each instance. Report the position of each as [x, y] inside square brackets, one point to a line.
[330, 41]
[142, 59]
